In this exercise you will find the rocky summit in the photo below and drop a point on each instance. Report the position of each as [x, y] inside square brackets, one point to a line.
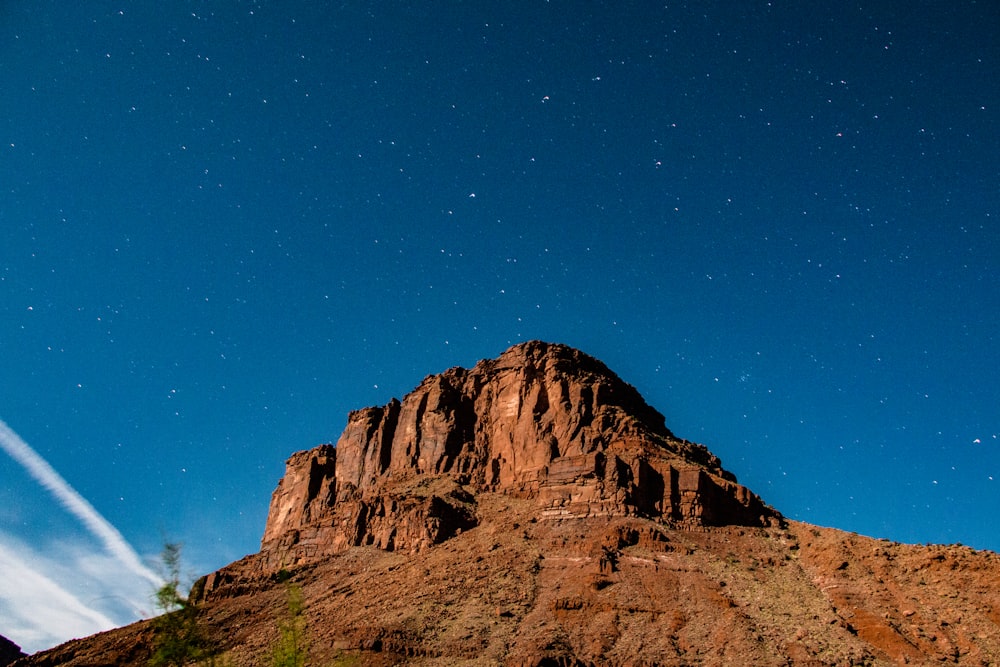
[541, 422]
[535, 510]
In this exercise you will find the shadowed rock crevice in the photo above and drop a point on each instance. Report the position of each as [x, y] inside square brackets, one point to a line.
[389, 432]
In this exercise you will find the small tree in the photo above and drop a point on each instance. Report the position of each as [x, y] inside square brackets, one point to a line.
[178, 640]
[291, 648]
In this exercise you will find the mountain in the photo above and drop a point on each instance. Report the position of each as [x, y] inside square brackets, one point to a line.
[544, 422]
[535, 510]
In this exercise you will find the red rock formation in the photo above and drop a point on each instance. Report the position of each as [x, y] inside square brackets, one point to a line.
[542, 421]
[572, 529]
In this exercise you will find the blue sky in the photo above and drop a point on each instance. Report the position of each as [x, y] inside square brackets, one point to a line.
[225, 225]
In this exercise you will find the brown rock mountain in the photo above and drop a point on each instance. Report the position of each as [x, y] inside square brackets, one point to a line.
[534, 510]
[542, 421]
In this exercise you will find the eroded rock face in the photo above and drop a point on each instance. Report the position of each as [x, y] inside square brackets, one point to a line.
[541, 421]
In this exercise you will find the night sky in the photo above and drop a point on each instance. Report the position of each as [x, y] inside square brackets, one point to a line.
[223, 225]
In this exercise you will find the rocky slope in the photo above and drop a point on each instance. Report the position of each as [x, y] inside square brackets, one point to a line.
[534, 510]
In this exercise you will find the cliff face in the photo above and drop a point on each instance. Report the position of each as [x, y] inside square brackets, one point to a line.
[542, 422]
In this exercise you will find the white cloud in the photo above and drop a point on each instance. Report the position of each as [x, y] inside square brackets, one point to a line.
[73, 586]
[76, 504]
[64, 591]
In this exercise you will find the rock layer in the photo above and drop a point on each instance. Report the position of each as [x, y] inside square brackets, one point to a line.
[542, 421]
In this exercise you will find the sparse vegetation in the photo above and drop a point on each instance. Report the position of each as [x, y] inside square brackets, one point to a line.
[345, 659]
[178, 639]
[291, 648]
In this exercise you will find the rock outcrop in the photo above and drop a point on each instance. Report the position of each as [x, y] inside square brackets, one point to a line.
[542, 422]
[9, 651]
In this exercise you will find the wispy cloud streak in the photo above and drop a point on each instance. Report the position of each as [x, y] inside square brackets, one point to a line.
[37, 611]
[74, 503]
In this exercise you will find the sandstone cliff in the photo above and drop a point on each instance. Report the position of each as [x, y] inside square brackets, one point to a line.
[542, 422]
